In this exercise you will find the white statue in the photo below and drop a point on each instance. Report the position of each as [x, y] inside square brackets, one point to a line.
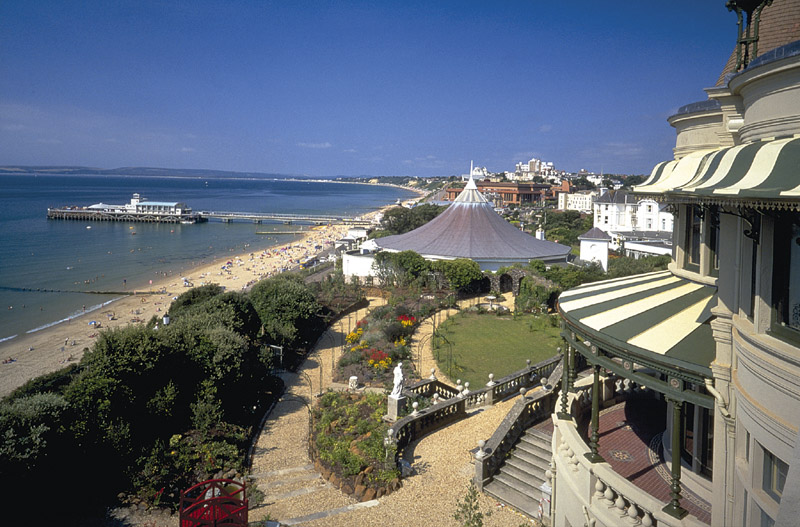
[398, 381]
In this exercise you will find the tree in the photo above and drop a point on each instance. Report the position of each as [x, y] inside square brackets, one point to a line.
[193, 297]
[461, 273]
[468, 512]
[399, 220]
[289, 312]
[27, 426]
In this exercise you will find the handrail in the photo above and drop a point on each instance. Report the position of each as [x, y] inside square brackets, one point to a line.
[454, 408]
[427, 387]
[526, 411]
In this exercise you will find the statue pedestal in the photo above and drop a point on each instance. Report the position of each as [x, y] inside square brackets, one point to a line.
[395, 406]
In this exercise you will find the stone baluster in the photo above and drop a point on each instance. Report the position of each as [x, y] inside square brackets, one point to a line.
[599, 490]
[633, 515]
[620, 506]
[609, 496]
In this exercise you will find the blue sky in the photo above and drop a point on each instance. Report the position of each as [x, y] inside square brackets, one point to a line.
[408, 87]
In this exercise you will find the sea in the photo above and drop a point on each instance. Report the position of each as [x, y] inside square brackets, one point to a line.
[72, 257]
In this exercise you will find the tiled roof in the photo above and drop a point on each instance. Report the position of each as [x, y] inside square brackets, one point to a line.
[594, 234]
[616, 196]
[780, 25]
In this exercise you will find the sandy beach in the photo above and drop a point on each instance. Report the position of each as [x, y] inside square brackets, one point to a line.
[50, 349]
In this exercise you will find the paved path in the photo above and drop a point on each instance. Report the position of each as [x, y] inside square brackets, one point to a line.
[295, 494]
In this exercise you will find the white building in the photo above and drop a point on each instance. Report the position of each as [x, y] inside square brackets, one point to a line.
[710, 348]
[582, 201]
[625, 216]
[594, 247]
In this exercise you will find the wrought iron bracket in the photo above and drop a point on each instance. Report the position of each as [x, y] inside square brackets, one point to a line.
[751, 216]
[747, 34]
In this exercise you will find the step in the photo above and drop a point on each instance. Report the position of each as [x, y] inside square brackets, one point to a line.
[330, 512]
[527, 504]
[536, 454]
[522, 474]
[535, 440]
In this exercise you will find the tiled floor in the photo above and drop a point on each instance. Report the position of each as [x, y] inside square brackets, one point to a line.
[630, 441]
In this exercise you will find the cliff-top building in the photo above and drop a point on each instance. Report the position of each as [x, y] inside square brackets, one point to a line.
[708, 352]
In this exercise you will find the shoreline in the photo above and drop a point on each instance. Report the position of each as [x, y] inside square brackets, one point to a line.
[64, 342]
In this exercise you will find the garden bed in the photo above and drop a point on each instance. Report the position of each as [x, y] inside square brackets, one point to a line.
[381, 340]
[347, 446]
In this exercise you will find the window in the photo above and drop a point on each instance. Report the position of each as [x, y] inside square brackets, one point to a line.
[713, 239]
[766, 521]
[775, 471]
[786, 275]
[694, 221]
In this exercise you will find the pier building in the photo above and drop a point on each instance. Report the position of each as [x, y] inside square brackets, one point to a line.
[139, 209]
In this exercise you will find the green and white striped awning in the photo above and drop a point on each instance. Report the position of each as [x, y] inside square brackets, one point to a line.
[654, 315]
[767, 172]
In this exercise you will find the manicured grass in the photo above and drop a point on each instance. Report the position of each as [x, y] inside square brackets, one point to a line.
[485, 343]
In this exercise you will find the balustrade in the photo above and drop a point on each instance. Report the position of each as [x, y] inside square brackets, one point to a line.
[610, 498]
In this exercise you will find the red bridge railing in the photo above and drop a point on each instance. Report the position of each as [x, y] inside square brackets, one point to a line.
[213, 503]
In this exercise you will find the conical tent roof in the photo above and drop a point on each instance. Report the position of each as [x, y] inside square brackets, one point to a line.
[470, 228]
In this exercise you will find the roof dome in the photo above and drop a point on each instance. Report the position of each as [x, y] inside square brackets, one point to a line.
[470, 228]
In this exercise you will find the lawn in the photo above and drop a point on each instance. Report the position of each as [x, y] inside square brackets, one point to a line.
[485, 343]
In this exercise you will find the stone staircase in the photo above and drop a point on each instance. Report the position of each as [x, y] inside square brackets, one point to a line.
[517, 480]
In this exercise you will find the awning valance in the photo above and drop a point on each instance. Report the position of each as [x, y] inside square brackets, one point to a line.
[655, 315]
[765, 170]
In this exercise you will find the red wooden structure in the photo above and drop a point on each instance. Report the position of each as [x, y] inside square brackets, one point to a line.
[212, 503]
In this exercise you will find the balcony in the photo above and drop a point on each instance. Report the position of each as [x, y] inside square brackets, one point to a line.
[631, 483]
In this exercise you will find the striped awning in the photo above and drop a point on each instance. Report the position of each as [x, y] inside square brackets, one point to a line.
[764, 170]
[656, 315]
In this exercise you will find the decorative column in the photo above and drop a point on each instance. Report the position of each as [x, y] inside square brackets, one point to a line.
[564, 414]
[571, 368]
[674, 507]
[594, 456]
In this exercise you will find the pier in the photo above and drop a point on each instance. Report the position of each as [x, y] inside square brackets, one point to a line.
[85, 214]
[288, 219]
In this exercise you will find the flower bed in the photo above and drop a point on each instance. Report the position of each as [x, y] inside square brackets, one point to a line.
[376, 345]
[347, 444]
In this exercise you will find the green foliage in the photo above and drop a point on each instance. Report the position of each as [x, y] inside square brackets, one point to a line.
[407, 268]
[624, 266]
[460, 273]
[569, 276]
[468, 512]
[50, 382]
[27, 425]
[348, 432]
[399, 220]
[534, 298]
[289, 312]
[203, 375]
[193, 297]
